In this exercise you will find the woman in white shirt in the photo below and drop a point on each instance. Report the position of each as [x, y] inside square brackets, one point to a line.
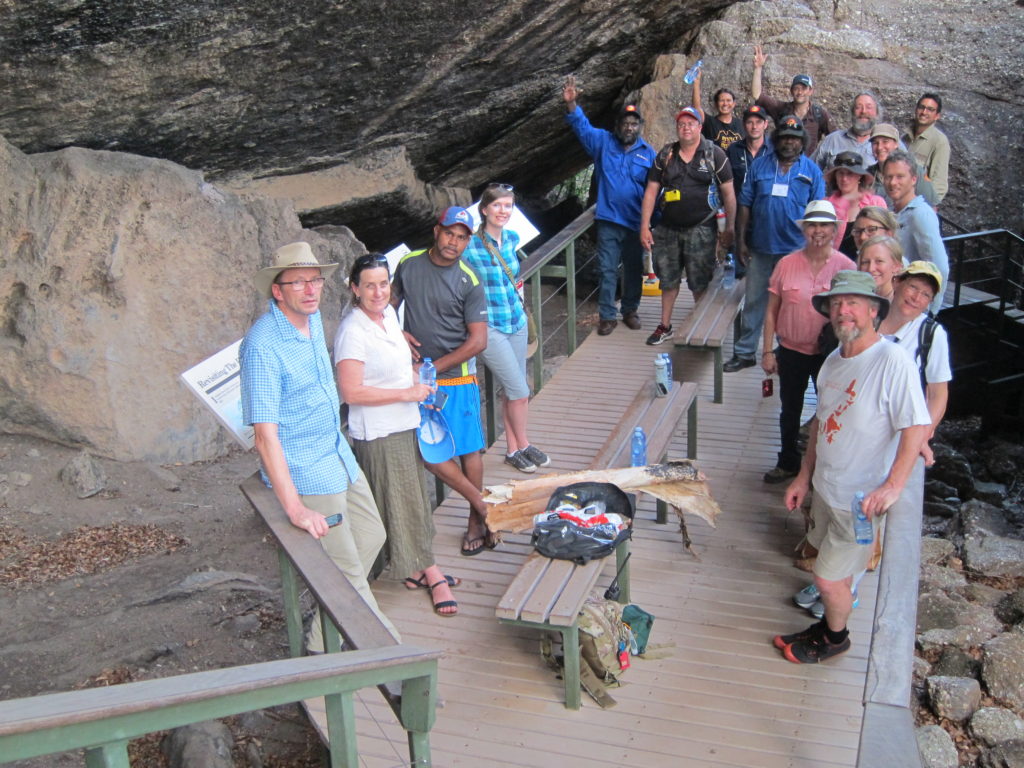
[377, 380]
[909, 325]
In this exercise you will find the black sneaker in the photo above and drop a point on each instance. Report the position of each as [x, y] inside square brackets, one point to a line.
[816, 630]
[814, 649]
[660, 334]
[737, 363]
[520, 462]
[536, 456]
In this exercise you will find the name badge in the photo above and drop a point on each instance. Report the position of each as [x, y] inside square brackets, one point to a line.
[780, 190]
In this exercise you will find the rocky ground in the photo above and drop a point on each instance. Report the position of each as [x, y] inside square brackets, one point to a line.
[969, 672]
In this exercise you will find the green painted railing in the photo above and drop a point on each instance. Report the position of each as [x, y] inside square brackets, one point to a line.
[103, 720]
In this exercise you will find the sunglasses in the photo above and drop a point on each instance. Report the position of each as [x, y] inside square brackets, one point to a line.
[846, 162]
[498, 185]
[370, 259]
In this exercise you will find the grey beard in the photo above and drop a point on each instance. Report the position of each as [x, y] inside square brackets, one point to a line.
[847, 335]
[863, 127]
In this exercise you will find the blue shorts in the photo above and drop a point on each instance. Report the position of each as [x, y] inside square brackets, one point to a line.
[462, 412]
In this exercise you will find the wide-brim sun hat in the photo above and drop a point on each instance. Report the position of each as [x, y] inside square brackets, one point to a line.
[850, 282]
[819, 211]
[852, 162]
[923, 269]
[292, 256]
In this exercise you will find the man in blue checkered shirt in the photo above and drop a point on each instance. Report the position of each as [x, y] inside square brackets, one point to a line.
[290, 398]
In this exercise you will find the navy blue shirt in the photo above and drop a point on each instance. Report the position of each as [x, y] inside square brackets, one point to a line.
[740, 159]
[621, 171]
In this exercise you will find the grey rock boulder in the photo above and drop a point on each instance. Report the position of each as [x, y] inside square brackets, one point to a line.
[84, 475]
[954, 698]
[1011, 608]
[1002, 668]
[994, 556]
[1009, 754]
[956, 663]
[979, 518]
[995, 725]
[936, 747]
[200, 745]
[936, 551]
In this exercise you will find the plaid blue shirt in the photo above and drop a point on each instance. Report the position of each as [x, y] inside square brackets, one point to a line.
[287, 380]
[504, 309]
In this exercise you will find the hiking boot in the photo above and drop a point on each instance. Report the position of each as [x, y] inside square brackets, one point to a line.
[536, 456]
[604, 327]
[737, 363]
[777, 475]
[631, 320]
[520, 462]
[807, 597]
[661, 333]
[813, 632]
[811, 650]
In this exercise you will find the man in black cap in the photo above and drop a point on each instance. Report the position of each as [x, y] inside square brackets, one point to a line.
[775, 193]
[816, 119]
[621, 162]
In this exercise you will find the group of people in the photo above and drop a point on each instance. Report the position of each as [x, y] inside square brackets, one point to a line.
[838, 251]
[836, 233]
[461, 300]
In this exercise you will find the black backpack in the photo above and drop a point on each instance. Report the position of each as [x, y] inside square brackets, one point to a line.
[566, 540]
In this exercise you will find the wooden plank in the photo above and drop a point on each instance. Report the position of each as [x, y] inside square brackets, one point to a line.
[556, 576]
[570, 602]
[522, 586]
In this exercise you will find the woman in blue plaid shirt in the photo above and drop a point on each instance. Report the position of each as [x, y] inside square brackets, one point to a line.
[492, 255]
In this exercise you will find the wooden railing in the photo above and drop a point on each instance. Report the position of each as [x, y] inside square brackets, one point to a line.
[103, 720]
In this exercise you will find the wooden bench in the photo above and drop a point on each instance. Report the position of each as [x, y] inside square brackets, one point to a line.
[549, 594]
[345, 616]
[708, 324]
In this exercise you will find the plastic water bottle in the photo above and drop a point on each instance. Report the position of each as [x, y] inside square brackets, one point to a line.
[428, 376]
[862, 529]
[668, 363]
[661, 380]
[691, 73]
[638, 448]
[729, 271]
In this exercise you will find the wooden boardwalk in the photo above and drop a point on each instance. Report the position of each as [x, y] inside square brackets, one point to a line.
[722, 696]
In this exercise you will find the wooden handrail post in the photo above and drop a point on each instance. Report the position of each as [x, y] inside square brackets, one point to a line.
[570, 294]
[341, 730]
[292, 607]
[113, 754]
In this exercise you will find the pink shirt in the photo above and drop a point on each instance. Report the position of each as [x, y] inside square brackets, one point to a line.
[842, 206]
[798, 323]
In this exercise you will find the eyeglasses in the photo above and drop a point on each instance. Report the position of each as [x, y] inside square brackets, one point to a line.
[300, 285]
[926, 108]
[913, 291]
[869, 231]
[498, 185]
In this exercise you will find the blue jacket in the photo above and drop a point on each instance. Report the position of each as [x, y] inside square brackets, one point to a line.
[773, 217]
[621, 173]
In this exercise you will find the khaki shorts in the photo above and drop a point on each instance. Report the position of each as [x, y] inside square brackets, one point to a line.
[839, 554]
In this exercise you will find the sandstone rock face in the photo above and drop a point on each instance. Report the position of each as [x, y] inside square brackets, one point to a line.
[254, 89]
[120, 272]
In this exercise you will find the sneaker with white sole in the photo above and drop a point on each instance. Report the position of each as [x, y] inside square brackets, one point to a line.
[807, 596]
[536, 456]
[520, 462]
[661, 333]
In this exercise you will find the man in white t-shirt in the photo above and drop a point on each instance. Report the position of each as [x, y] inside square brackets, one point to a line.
[869, 426]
